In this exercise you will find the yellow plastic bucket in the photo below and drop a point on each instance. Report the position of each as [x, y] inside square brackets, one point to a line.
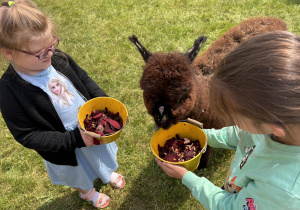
[113, 105]
[184, 130]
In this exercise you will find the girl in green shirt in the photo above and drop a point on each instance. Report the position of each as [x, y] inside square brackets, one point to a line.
[256, 92]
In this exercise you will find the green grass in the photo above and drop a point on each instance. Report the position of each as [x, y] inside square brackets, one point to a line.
[95, 34]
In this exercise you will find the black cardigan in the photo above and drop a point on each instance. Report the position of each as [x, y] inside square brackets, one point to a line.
[31, 117]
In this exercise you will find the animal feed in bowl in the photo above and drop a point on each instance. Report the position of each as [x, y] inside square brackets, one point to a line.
[179, 149]
[103, 122]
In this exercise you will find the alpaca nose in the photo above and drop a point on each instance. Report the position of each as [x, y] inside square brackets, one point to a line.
[162, 114]
[161, 117]
[161, 109]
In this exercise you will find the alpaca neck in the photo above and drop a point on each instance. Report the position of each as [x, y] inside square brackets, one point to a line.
[201, 109]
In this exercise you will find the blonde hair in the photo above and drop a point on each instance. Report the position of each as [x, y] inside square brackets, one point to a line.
[22, 23]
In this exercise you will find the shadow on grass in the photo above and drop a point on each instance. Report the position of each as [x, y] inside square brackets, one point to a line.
[151, 189]
[164, 193]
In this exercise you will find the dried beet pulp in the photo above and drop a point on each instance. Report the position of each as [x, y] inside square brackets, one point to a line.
[103, 122]
[179, 150]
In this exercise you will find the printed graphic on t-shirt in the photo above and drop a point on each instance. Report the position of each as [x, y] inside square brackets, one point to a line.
[250, 205]
[60, 93]
[248, 151]
[231, 187]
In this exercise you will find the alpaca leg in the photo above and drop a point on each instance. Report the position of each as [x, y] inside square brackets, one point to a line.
[204, 158]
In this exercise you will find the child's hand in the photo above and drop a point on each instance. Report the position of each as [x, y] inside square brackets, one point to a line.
[172, 170]
[88, 140]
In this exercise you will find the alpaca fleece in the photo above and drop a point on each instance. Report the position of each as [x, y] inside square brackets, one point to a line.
[176, 86]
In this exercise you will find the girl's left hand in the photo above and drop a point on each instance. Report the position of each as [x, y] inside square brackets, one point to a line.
[172, 170]
[88, 140]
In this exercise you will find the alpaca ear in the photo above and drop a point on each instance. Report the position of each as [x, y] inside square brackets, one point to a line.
[144, 52]
[193, 52]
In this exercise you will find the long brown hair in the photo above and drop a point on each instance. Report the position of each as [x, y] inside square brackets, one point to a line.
[260, 80]
[21, 23]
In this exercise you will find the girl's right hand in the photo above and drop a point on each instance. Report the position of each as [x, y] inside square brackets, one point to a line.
[175, 171]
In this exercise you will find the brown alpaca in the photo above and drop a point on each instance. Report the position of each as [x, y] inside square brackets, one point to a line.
[176, 85]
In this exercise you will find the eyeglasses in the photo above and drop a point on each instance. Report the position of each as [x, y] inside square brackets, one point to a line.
[43, 53]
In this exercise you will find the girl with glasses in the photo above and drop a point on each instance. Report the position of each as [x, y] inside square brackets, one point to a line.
[43, 89]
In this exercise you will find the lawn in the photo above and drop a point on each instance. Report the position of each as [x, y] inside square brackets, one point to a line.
[95, 34]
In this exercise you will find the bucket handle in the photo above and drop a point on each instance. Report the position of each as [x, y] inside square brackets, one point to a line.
[195, 122]
[198, 124]
[92, 134]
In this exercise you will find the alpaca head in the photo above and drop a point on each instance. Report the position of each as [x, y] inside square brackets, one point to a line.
[168, 83]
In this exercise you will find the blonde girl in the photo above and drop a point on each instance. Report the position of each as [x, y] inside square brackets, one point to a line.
[28, 39]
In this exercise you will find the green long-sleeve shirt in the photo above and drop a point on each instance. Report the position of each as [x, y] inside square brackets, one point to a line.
[264, 174]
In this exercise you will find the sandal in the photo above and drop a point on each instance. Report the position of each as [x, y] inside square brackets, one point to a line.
[102, 197]
[116, 181]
